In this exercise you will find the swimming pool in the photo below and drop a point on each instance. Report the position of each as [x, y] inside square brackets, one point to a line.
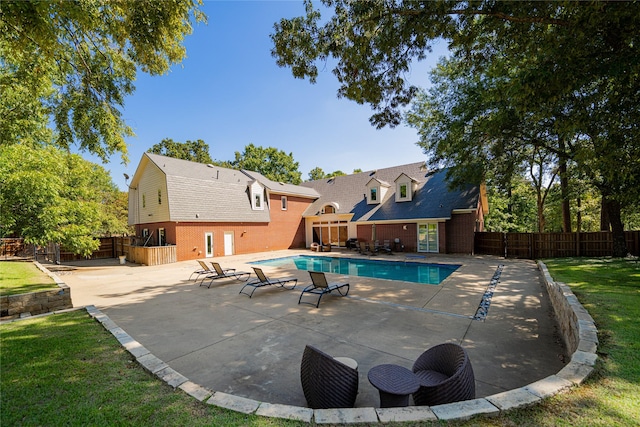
[431, 274]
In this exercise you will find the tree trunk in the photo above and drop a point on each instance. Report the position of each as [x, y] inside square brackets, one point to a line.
[604, 216]
[541, 220]
[613, 209]
[564, 189]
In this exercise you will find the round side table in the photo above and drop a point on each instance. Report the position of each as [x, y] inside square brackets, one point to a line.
[395, 384]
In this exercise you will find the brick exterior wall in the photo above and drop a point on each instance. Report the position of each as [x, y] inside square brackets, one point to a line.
[460, 233]
[408, 238]
[285, 231]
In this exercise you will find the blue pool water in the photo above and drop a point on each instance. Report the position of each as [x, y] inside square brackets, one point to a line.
[431, 274]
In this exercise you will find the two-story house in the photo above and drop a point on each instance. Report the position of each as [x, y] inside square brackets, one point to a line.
[207, 211]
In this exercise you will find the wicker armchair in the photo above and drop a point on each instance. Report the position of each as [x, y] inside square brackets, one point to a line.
[445, 375]
[326, 382]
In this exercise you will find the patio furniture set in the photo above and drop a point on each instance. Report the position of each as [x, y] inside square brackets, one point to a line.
[442, 374]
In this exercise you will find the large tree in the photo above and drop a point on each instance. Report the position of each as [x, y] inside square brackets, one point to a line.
[272, 163]
[67, 66]
[575, 62]
[195, 151]
[47, 195]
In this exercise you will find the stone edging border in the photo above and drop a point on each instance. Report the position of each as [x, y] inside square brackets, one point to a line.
[577, 327]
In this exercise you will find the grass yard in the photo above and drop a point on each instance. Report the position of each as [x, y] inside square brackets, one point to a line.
[22, 278]
[67, 370]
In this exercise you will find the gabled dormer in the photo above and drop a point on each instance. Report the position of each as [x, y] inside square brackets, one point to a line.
[405, 188]
[376, 190]
[256, 190]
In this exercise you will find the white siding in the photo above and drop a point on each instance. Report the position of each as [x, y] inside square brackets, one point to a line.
[152, 180]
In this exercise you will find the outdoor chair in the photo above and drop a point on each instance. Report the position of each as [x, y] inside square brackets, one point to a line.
[229, 273]
[320, 287]
[204, 269]
[327, 382]
[263, 280]
[383, 248]
[365, 249]
[445, 375]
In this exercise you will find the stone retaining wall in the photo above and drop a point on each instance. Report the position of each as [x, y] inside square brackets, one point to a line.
[576, 324]
[34, 303]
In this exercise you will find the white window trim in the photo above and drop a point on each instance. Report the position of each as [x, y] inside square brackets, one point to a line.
[257, 197]
[377, 191]
[284, 203]
[399, 193]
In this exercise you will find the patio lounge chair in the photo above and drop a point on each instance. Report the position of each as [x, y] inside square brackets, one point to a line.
[204, 269]
[445, 375]
[262, 280]
[229, 273]
[327, 382]
[321, 287]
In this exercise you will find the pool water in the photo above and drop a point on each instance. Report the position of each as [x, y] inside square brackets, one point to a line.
[431, 274]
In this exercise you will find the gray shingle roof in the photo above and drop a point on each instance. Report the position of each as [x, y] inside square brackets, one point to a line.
[283, 188]
[431, 200]
[214, 193]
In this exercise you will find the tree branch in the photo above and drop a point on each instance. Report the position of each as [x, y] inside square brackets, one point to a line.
[498, 15]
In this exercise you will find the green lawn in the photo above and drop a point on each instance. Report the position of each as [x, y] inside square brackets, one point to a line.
[22, 278]
[67, 370]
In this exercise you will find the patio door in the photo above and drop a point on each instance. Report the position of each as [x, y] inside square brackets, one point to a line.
[428, 237]
[208, 244]
[334, 233]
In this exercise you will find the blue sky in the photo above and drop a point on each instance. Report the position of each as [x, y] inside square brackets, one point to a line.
[229, 92]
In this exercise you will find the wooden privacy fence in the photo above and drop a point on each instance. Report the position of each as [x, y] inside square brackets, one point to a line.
[552, 245]
[110, 247]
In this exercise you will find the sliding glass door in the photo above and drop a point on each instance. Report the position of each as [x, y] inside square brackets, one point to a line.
[428, 237]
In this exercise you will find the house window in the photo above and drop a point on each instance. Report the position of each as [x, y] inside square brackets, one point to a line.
[159, 197]
[257, 201]
[329, 209]
[403, 191]
[144, 200]
[162, 237]
[374, 194]
[283, 202]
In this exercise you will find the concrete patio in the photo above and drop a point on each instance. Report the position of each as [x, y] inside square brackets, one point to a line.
[252, 347]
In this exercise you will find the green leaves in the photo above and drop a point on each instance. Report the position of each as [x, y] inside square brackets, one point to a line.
[50, 196]
[75, 62]
[272, 163]
[195, 151]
